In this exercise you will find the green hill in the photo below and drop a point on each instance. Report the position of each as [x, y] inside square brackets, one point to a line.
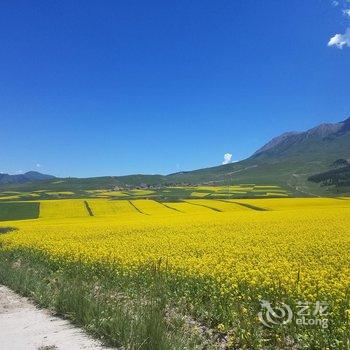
[287, 161]
[30, 176]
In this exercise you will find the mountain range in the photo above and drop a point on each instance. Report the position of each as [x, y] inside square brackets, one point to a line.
[23, 178]
[288, 160]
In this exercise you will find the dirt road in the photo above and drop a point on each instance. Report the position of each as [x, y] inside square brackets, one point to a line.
[25, 327]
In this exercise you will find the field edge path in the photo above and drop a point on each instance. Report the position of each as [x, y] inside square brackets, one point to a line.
[25, 327]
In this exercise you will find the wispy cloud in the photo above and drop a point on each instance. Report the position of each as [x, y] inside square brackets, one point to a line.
[346, 12]
[340, 40]
[227, 158]
[38, 165]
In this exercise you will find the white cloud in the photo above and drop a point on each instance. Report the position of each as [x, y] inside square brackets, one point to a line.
[335, 3]
[346, 12]
[227, 158]
[340, 40]
[38, 165]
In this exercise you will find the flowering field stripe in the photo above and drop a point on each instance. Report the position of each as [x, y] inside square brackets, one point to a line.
[221, 205]
[247, 205]
[5, 198]
[151, 207]
[295, 203]
[104, 193]
[64, 208]
[200, 194]
[169, 207]
[103, 207]
[136, 208]
[202, 205]
[341, 198]
[188, 208]
[140, 192]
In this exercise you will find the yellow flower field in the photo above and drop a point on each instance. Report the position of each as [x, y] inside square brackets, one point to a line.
[62, 208]
[256, 247]
[101, 207]
[297, 249]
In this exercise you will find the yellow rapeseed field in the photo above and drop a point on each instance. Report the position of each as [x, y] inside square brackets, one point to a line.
[101, 207]
[62, 208]
[243, 245]
[298, 249]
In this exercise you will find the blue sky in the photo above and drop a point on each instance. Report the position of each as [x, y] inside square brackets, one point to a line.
[118, 87]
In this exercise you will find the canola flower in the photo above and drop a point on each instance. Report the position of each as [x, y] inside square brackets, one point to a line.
[243, 245]
[62, 208]
[297, 249]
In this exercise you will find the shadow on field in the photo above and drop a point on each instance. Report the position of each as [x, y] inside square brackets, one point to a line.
[4, 230]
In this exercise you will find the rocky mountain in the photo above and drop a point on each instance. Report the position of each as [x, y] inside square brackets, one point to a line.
[284, 140]
[321, 135]
[288, 160]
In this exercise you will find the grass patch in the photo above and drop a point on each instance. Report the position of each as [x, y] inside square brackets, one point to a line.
[7, 229]
[19, 211]
[88, 208]
[123, 315]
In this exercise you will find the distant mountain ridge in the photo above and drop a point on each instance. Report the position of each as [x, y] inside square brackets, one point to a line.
[23, 178]
[287, 160]
[285, 141]
[277, 141]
